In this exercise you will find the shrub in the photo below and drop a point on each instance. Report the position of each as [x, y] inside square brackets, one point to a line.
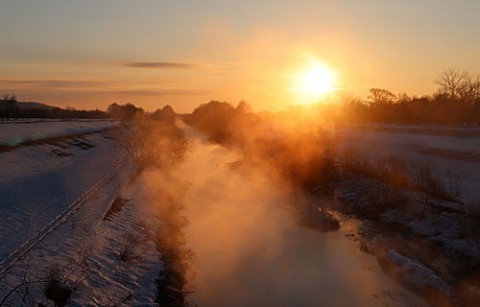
[356, 163]
[153, 143]
[127, 250]
[381, 197]
[425, 180]
[455, 182]
[54, 289]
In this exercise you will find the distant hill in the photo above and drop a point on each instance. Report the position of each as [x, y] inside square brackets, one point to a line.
[10, 108]
[34, 106]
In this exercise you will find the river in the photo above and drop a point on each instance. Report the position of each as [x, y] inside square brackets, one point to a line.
[249, 251]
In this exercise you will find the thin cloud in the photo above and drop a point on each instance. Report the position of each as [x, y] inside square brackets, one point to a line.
[50, 83]
[66, 92]
[93, 87]
[161, 65]
[166, 92]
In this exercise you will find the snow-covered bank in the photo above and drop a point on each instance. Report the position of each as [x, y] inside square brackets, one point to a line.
[457, 149]
[16, 133]
[93, 258]
[99, 261]
[413, 273]
[433, 235]
[38, 183]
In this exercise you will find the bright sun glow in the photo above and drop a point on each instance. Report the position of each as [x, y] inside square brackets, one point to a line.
[313, 83]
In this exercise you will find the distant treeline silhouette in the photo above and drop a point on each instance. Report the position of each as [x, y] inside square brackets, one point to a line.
[10, 108]
[457, 102]
[58, 113]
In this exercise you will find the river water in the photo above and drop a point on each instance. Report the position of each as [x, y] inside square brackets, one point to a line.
[249, 251]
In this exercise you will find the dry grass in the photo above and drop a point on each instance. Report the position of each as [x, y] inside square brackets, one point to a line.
[468, 226]
[127, 249]
[378, 197]
[455, 182]
[399, 173]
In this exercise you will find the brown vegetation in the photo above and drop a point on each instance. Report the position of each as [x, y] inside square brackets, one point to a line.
[398, 173]
[153, 143]
[302, 155]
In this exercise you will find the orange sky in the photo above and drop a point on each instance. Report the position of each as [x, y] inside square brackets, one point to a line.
[88, 54]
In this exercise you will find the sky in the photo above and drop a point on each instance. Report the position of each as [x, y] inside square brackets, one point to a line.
[88, 54]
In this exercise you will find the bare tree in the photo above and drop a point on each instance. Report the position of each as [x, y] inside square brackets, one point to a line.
[469, 89]
[476, 89]
[450, 82]
[403, 98]
[381, 96]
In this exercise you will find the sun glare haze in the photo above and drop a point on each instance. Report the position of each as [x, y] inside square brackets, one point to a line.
[240, 153]
[183, 53]
[313, 83]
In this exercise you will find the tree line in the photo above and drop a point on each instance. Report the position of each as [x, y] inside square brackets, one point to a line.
[11, 108]
[456, 102]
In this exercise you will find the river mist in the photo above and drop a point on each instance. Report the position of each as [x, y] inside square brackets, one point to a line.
[246, 247]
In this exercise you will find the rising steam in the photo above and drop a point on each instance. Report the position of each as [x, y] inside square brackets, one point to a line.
[247, 248]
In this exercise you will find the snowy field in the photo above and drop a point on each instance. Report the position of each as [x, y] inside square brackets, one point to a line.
[87, 252]
[16, 132]
[454, 148]
[40, 184]
[437, 239]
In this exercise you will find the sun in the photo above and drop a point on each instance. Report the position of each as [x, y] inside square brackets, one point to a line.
[313, 82]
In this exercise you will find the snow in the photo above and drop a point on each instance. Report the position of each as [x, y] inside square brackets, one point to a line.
[14, 133]
[450, 227]
[454, 148]
[36, 185]
[414, 274]
[83, 253]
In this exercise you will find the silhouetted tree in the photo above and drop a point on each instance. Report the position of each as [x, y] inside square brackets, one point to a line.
[403, 98]
[442, 107]
[243, 107]
[126, 111]
[469, 89]
[450, 82]
[153, 143]
[216, 119]
[380, 96]
[165, 114]
[8, 106]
